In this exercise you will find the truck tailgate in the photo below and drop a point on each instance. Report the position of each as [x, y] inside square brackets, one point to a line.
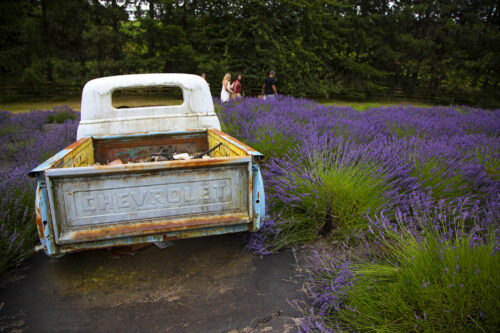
[92, 203]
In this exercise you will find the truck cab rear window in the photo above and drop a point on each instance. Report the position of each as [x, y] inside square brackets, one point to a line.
[137, 97]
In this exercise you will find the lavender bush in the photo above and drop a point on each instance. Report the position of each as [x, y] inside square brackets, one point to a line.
[25, 141]
[341, 167]
[430, 281]
[379, 176]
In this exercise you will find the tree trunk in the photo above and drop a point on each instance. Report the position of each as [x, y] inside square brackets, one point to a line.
[49, 68]
[151, 42]
[116, 44]
[97, 21]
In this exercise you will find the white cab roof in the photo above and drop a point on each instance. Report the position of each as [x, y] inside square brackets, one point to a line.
[100, 118]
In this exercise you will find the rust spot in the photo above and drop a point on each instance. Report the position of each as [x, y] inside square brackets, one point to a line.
[141, 239]
[230, 138]
[38, 217]
[139, 147]
[151, 166]
[39, 225]
[201, 162]
[76, 143]
[155, 227]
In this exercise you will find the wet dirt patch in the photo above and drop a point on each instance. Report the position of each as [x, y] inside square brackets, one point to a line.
[207, 284]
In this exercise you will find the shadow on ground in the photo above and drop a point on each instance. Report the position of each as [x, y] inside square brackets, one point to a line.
[207, 284]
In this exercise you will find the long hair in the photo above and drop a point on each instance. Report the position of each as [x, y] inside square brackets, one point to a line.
[227, 77]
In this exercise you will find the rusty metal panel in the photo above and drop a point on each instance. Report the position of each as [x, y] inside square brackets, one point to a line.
[82, 155]
[226, 149]
[146, 201]
[57, 161]
[234, 146]
[134, 147]
[43, 218]
[134, 167]
[158, 237]
[81, 205]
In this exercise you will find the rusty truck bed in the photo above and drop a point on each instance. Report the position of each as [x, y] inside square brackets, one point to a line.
[84, 203]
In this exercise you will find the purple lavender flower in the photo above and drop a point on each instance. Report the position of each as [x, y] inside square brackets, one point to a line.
[25, 142]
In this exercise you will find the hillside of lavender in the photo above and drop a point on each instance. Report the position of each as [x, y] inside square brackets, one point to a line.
[406, 199]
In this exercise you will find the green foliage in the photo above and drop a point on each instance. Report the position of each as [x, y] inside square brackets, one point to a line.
[291, 229]
[444, 52]
[272, 143]
[402, 131]
[436, 286]
[444, 183]
[346, 192]
[490, 160]
[61, 114]
[337, 198]
[17, 227]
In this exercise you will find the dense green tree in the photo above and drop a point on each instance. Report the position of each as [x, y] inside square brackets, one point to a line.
[441, 50]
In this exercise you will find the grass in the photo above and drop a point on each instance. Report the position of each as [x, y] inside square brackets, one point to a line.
[346, 192]
[17, 227]
[75, 103]
[362, 106]
[436, 286]
[138, 101]
[433, 174]
[334, 197]
[135, 101]
[46, 104]
[272, 142]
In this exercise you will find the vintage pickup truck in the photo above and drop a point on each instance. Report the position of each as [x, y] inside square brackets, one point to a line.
[84, 202]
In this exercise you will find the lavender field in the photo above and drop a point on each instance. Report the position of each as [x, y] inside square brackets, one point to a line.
[406, 199]
[26, 140]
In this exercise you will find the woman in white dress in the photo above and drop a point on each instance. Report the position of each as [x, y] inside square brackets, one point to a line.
[226, 91]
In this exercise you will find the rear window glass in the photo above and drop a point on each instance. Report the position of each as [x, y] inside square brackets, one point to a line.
[137, 97]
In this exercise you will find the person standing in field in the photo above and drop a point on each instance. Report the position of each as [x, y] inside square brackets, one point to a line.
[269, 86]
[236, 86]
[226, 91]
[204, 76]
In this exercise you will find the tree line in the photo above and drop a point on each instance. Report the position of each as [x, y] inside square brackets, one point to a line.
[443, 51]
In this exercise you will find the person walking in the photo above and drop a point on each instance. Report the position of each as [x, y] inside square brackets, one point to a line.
[204, 76]
[236, 86]
[226, 91]
[269, 86]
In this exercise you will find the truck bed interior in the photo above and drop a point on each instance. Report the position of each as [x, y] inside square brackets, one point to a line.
[136, 148]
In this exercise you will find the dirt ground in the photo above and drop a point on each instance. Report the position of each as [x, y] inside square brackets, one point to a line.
[206, 284]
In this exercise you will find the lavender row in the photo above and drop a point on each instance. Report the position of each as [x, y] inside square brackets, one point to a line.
[26, 139]
[417, 190]
[440, 153]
